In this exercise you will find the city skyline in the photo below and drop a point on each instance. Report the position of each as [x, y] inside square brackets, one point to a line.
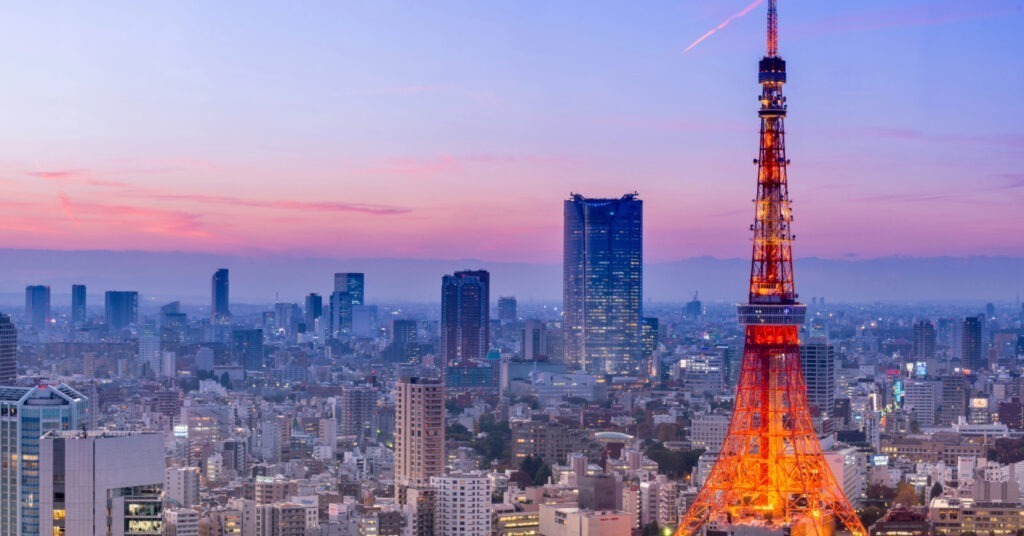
[607, 104]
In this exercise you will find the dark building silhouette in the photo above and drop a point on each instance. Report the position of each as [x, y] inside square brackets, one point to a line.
[8, 351]
[37, 306]
[924, 340]
[603, 284]
[649, 335]
[341, 313]
[247, 350]
[465, 317]
[403, 335]
[121, 309]
[77, 305]
[1012, 414]
[314, 310]
[693, 308]
[953, 402]
[507, 309]
[971, 345]
[220, 303]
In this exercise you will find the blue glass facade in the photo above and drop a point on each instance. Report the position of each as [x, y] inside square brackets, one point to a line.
[26, 413]
[603, 284]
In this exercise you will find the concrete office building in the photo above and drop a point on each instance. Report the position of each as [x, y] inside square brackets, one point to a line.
[100, 482]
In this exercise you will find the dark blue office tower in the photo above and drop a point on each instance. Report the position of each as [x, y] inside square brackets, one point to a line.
[603, 284]
[37, 306]
[220, 308]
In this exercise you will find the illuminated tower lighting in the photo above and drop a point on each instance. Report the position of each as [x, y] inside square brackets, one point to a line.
[770, 472]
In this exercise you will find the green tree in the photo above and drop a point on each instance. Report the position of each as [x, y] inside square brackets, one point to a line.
[225, 380]
[542, 475]
[936, 491]
[531, 465]
[870, 514]
[458, 432]
[906, 495]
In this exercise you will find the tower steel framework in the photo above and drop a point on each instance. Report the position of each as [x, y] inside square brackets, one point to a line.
[770, 471]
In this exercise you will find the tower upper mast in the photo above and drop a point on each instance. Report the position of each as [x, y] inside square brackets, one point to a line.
[773, 31]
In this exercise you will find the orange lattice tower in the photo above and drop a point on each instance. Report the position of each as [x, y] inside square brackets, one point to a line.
[770, 474]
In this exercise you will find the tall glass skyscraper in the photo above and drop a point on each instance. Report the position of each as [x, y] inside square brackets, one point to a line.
[465, 317]
[26, 413]
[353, 283]
[8, 351]
[37, 306]
[77, 305]
[121, 308]
[220, 308]
[247, 351]
[602, 293]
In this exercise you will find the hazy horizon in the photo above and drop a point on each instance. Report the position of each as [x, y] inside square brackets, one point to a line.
[257, 279]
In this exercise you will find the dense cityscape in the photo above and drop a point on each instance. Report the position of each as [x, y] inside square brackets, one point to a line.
[333, 416]
[609, 413]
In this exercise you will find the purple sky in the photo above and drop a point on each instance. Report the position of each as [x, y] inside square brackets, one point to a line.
[455, 129]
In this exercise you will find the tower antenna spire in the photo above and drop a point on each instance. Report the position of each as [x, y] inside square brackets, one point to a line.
[773, 30]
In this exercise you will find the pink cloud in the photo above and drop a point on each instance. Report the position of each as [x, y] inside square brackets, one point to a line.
[82, 177]
[65, 204]
[306, 206]
[60, 175]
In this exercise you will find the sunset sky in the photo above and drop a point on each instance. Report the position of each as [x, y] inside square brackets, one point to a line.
[455, 129]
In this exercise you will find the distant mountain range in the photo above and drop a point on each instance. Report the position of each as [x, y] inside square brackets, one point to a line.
[163, 277]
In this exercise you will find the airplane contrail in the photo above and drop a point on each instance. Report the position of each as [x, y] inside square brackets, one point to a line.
[731, 18]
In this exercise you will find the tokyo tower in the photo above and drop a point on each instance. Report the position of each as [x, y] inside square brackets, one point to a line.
[770, 475]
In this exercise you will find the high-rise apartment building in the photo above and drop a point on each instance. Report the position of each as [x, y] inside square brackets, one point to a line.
[220, 301]
[247, 350]
[534, 340]
[26, 413]
[37, 306]
[121, 309]
[8, 351]
[465, 317]
[77, 305]
[924, 340]
[100, 482]
[971, 341]
[355, 409]
[818, 362]
[953, 403]
[181, 486]
[419, 431]
[603, 284]
[507, 309]
[462, 504]
[919, 400]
